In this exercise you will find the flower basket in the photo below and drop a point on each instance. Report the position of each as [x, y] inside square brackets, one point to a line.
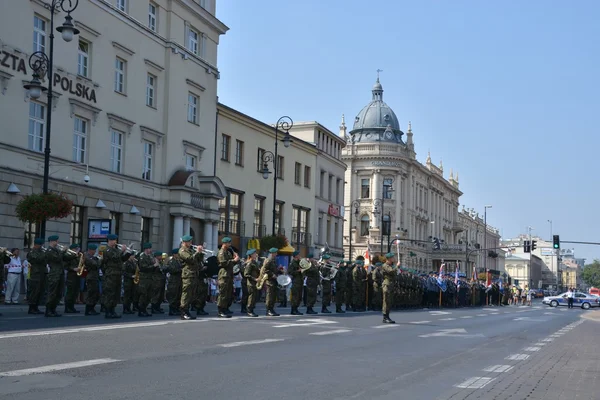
[277, 241]
[40, 207]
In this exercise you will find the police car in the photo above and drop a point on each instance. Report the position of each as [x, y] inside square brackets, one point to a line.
[582, 300]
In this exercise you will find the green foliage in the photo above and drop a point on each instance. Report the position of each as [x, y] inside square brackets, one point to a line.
[38, 207]
[277, 241]
[591, 274]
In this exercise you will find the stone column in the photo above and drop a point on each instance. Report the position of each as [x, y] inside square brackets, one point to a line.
[177, 230]
[208, 235]
[215, 236]
[377, 193]
[186, 226]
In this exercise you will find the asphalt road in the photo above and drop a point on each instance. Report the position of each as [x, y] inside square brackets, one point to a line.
[479, 353]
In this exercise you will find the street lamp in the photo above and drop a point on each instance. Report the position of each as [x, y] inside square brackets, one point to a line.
[42, 65]
[354, 206]
[485, 246]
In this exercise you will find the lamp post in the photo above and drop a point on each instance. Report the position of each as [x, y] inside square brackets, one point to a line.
[530, 258]
[284, 123]
[553, 253]
[485, 246]
[355, 205]
[42, 64]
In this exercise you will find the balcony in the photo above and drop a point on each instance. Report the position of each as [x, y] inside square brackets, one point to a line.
[197, 201]
[232, 227]
[259, 231]
[300, 238]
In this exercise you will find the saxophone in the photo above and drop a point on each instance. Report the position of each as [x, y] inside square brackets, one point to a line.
[136, 277]
[81, 265]
[261, 281]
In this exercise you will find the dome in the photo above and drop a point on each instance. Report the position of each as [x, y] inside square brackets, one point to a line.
[376, 122]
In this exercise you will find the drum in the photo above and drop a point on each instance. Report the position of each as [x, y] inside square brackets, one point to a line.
[284, 280]
[212, 266]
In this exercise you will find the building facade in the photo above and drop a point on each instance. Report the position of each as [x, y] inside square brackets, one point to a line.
[390, 195]
[550, 267]
[247, 211]
[329, 188]
[133, 120]
[477, 236]
[525, 270]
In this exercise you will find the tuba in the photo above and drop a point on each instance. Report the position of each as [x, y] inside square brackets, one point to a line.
[332, 271]
[81, 265]
[305, 264]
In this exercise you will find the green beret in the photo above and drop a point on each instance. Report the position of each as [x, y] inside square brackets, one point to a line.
[175, 251]
[74, 246]
[92, 246]
[250, 252]
[295, 253]
[39, 241]
[158, 254]
[311, 255]
[360, 258]
[146, 245]
[390, 255]
[53, 238]
[326, 256]
[226, 239]
[186, 238]
[273, 250]
[112, 237]
[378, 264]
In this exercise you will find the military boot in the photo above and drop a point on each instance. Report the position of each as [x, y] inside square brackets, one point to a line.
[244, 310]
[201, 311]
[173, 311]
[271, 313]
[55, 314]
[387, 320]
[156, 309]
[251, 313]
[143, 313]
[324, 310]
[127, 309]
[294, 311]
[310, 311]
[88, 310]
[185, 314]
[135, 308]
[33, 310]
[223, 313]
[70, 309]
[102, 308]
[228, 311]
[339, 310]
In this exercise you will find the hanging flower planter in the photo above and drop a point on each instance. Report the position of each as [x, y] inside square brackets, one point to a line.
[39, 207]
[277, 241]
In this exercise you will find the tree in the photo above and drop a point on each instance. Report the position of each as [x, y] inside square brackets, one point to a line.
[591, 273]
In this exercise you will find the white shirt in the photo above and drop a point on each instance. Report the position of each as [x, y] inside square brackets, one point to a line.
[570, 295]
[15, 265]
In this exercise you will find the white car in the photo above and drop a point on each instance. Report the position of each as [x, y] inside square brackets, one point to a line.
[585, 301]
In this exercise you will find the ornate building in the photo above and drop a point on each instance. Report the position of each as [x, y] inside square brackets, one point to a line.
[389, 194]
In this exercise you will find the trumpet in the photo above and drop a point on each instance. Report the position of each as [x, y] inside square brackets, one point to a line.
[81, 265]
[136, 277]
[208, 253]
[5, 250]
[127, 249]
[65, 250]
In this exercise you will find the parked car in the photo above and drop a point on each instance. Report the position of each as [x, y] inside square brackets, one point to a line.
[582, 300]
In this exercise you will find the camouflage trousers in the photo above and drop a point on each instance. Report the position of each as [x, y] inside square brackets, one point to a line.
[296, 292]
[199, 301]
[376, 300]
[189, 291]
[270, 295]
[340, 296]
[144, 290]
[311, 292]
[72, 286]
[174, 291]
[56, 286]
[128, 291]
[158, 284]
[36, 290]
[225, 293]
[358, 294]
[111, 290]
[252, 296]
[92, 295]
[326, 301]
[387, 298]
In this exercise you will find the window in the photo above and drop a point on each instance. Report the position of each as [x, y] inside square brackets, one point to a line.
[306, 176]
[122, 5]
[116, 151]
[152, 18]
[387, 188]
[300, 225]
[387, 225]
[203, 46]
[225, 146]
[328, 228]
[79, 140]
[279, 217]
[190, 165]
[365, 223]
[259, 159]
[239, 153]
[231, 213]
[192, 108]
[115, 222]
[297, 173]
[330, 188]
[150, 89]
[338, 184]
[146, 229]
[203, 4]
[83, 58]
[77, 225]
[336, 233]
[192, 42]
[37, 123]
[322, 184]
[259, 228]
[31, 231]
[364, 188]
[148, 153]
[119, 75]
[280, 167]
[39, 34]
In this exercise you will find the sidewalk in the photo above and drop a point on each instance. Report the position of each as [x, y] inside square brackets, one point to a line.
[592, 315]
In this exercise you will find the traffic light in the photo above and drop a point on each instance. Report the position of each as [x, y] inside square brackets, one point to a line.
[556, 241]
[526, 246]
[436, 244]
[533, 245]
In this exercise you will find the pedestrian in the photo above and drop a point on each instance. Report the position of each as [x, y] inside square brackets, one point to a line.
[570, 296]
[13, 278]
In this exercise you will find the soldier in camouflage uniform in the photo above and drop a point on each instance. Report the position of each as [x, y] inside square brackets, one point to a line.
[349, 285]
[129, 268]
[251, 273]
[72, 283]
[191, 261]
[92, 266]
[341, 279]
[326, 286]
[377, 279]
[390, 274]
[359, 278]
[147, 266]
[295, 273]
[269, 269]
[158, 284]
[112, 268]
[226, 262]
[56, 260]
[173, 293]
[312, 283]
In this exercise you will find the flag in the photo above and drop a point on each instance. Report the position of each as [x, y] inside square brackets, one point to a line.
[489, 278]
[368, 254]
[456, 275]
[440, 280]
[474, 273]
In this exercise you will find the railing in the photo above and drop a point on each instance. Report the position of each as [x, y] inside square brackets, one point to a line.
[232, 226]
[259, 230]
[197, 201]
[300, 238]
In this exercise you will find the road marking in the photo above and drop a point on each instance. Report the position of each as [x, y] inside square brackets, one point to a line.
[498, 368]
[249, 342]
[540, 344]
[331, 332]
[439, 312]
[457, 332]
[466, 317]
[419, 322]
[385, 326]
[547, 340]
[447, 319]
[305, 322]
[532, 349]
[550, 313]
[58, 367]
[517, 357]
[482, 315]
[477, 382]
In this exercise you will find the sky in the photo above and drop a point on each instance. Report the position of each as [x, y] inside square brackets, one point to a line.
[504, 93]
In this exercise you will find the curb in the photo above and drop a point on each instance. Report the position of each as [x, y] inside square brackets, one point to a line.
[592, 316]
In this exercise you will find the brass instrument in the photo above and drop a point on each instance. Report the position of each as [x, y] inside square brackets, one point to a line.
[208, 253]
[305, 264]
[65, 250]
[81, 265]
[261, 280]
[136, 277]
[5, 250]
[333, 270]
[127, 249]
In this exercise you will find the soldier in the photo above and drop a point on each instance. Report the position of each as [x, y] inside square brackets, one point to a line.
[340, 287]
[157, 284]
[312, 283]
[147, 265]
[359, 285]
[72, 284]
[269, 269]
[225, 277]
[377, 277]
[129, 268]
[92, 279]
[189, 275]
[349, 285]
[281, 290]
[112, 268]
[389, 279]
[244, 283]
[56, 277]
[37, 275]
[173, 268]
[251, 274]
[295, 273]
[326, 286]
